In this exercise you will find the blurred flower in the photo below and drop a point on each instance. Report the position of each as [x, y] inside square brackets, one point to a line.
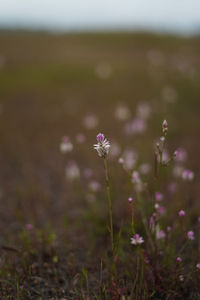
[138, 126]
[66, 146]
[80, 138]
[178, 259]
[87, 173]
[172, 187]
[90, 121]
[181, 277]
[121, 160]
[135, 177]
[102, 146]
[160, 234]
[161, 210]
[177, 171]
[144, 168]
[181, 213]
[29, 226]
[137, 239]
[122, 113]
[103, 70]
[130, 199]
[159, 196]
[94, 186]
[198, 266]
[169, 228]
[130, 159]
[190, 235]
[181, 155]
[72, 171]
[188, 175]
[143, 110]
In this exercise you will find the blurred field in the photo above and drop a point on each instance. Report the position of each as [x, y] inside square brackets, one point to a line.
[48, 83]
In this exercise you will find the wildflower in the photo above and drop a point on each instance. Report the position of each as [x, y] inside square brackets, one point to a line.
[162, 138]
[181, 155]
[161, 210]
[169, 228]
[181, 277]
[102, 146]
[90, 121]
[130, 199]
[137, 239]
[87, 173]
[181, 213]
[165, 126]
[159, 196]
[138, 126]
[135, 177]
[94, 186]
[80, 138]
[66, 145]
[72, 171]
[198, 266]
[160, 234]
[188, 175]
[122, 113]
[130, 158]
[178, 259]
[120, 160]
[144, 168]
[190, 235]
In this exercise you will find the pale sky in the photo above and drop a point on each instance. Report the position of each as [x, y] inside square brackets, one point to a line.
[174, 15]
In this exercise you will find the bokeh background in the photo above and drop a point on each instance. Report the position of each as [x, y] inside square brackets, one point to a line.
[66, 69]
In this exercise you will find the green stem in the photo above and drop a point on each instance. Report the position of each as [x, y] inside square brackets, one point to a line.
[109, 205]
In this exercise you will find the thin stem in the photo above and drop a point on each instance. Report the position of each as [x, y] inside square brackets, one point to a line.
[109, 204]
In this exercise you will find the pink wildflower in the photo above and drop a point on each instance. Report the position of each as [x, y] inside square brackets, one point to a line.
[137, 239]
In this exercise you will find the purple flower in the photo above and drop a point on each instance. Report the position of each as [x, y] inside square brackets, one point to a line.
[190, 235]
[160, 234]
[102, 146]
[159, 196]
[181, 155]
[188, 175]
[181, 213]
[137, 239]
[178, 259]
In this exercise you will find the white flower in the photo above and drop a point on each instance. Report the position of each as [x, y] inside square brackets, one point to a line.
[66, 146]
[102, 146]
